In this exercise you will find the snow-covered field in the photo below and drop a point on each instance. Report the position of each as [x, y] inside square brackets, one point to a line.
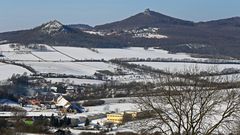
[94, 33]
[179, 66]
[75, 81]
[18, 52]
[130, 78]
[16, 56]
[52, 56]
[70, 68]
[111, 53]
[51, 60]
[149, 35]
[118, 107]
[7, 70]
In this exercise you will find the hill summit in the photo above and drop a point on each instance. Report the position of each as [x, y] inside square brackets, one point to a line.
[147, 18]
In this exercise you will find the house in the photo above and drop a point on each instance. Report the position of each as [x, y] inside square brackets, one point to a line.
[34, 102]
[76, 108]
[66, 106]
[62, 102]
[119, 118]
[137, 114]
[70, 90]
[53, 89]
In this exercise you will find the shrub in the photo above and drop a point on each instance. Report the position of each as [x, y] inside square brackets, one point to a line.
[93, 102]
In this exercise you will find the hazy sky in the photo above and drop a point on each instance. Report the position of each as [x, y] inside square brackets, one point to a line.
[22, 14]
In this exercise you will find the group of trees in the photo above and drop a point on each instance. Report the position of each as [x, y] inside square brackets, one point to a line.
[189, 105]
[58, 122]
[3, 126]
[93, 102]
[39, 125]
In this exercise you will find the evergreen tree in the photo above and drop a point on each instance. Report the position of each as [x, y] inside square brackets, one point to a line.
[87, 122]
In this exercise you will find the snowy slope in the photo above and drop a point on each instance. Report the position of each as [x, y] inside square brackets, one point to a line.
[70, 68]
[75, 81]
[52, 27]
[178, 66]
[16, 56]
[111, 53]
[23, 53]
[33, 52]
[113, 107]
[52, 56]
[6, 71]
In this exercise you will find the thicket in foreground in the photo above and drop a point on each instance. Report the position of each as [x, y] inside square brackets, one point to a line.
[189, 104]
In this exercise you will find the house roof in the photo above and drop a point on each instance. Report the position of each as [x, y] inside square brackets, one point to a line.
[61, 101]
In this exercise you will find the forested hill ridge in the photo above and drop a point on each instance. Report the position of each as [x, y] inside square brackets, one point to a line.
[55, 33]
[145, 29]
[147, 18]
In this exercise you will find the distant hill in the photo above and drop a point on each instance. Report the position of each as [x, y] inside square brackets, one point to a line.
[232, 22]
[147, 18]
[218, 38]
[81, 26]
[55, 33]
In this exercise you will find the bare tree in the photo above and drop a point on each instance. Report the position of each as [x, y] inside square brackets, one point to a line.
[189, 104]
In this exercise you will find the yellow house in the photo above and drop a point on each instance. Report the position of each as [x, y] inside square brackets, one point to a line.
[119, 118]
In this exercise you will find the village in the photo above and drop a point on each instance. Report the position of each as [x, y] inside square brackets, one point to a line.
[54, 101]
[79, 118]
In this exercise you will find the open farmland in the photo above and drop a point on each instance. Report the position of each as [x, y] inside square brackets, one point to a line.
[70, 68]
[75, 81]
[22, 53]
[19, 56]
[112, 53]
[7, 70]
[66, 60]
[52, 56]
[180, 66]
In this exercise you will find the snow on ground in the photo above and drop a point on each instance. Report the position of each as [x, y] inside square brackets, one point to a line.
[226, 78]
[20, 52]
[52, 56]
[120, 107]
[47, 47]
[52, 26]
[94, 33]
[149, 35]
[27, 56]
[7, 70]
[77, 132]
[79, 53]
[70, 68]
[32, 114]
[33, 53]
[121, 130]
[131, 78]
[3, 41]
[111, 53]
[6, 47]
[119, 100]
[179, 66]
[75, 81]
[7, 102]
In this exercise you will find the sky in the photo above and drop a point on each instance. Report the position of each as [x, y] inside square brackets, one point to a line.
[25, 14]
